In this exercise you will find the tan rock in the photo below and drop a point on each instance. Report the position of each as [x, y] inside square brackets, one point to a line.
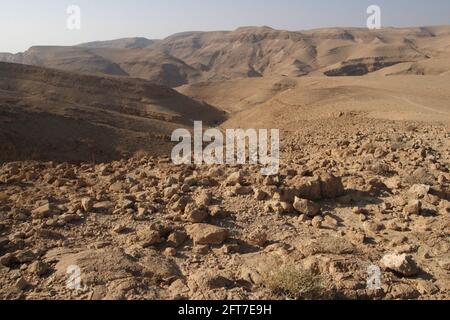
[234, 179]
[39, 268]
[317, 222]
[307, 207]
[308, 188]
[402, 264]
[149, 237]
[242, 190]
[176, 239]
[205, 234]
[198, 215]
[331, 186]
[22, 284]
[46, 211]
[418, 191]
[414, 207]
[258, 238]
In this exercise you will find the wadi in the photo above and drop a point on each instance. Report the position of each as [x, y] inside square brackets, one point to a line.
[358, 208]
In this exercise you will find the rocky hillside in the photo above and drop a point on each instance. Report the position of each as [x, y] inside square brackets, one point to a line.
[191, 57]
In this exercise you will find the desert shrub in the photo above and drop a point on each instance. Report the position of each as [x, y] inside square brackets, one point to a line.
[292, 282]
[420, 176]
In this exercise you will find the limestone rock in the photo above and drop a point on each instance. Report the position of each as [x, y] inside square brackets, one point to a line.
[307, 207]
[402, 264]
[331, 186]
[205, 234]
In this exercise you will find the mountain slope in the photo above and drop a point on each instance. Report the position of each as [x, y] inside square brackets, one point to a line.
[54, 115]
[252, 52]
[124, 43]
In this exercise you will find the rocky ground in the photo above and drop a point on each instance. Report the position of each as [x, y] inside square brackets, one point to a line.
[348, 197]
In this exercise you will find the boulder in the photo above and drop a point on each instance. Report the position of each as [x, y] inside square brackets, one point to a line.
[46, 211]
[307, 207]
[207, 234]
[331, 186]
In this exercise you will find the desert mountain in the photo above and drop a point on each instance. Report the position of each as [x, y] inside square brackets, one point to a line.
[364, 175]
[250, 52]
[56, 115]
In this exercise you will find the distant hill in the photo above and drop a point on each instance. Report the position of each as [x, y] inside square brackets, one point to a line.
[124, 43]
[63, 116]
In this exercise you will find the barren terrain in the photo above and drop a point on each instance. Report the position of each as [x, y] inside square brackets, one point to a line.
[86, 177]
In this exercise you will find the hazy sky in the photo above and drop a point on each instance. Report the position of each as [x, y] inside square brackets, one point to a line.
[24, 23]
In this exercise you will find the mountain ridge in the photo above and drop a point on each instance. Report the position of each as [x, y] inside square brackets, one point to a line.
[247, 52]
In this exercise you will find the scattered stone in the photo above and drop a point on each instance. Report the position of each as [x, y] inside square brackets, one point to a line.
[217, 212]
[170, 252]
[141, 212]
[120, 228]
[330, 222]
[22, 284]
[303, 218]
[25, 256]
[70, 217]
[279, 207]
[317, 222]
[404, 291]
[201, 249]
[209, 280]
[357, 237]
[444, 263]
[176, 239]
[46, 211]
[8, 260]
[39, 268]
[87, 204]
[242, 190]
[181, 204]
[426, 287]
[414, 207]
[260, 195]
[361, 211]
[103, 206]
[373, 227]
[234, 179]
[170, 192]
[307, 207]
[308, 188]
[149, 237]
[419, 191]
[196, 214]
[402, 264]
[331, 186]
[258, 238]
[231, 248]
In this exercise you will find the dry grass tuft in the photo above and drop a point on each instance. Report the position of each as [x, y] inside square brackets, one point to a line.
[295, 283]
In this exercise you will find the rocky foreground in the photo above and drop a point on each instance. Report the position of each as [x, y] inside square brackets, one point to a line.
[348, 198]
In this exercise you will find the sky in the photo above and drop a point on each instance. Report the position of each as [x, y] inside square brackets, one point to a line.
[24, 23]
